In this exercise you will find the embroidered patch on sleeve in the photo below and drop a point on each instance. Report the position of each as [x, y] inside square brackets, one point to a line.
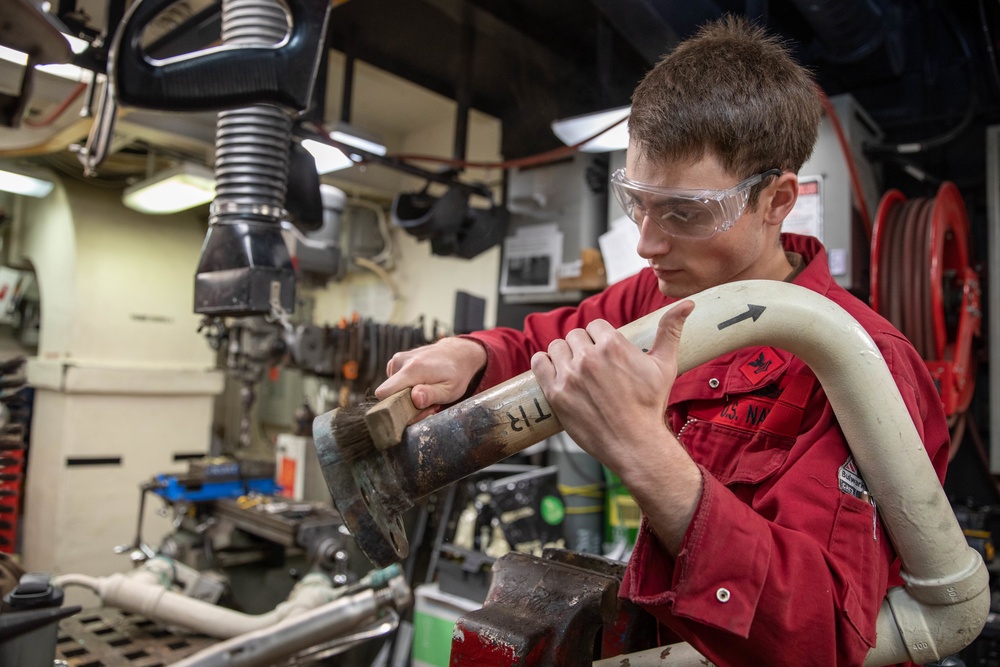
[758, 367]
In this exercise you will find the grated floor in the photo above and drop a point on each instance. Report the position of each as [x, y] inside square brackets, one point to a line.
[113, 638]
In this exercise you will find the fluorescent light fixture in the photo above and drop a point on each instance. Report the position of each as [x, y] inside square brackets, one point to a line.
[68, 72]
[61, 70]
[176, 189]
[24, 184]
[328, 158]
[13, 56]
[572, 131]
[360, 139]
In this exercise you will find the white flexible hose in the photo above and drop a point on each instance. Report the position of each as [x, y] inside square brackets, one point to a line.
[385, 277]
[383, 258]
[82, 580]
[141, 593]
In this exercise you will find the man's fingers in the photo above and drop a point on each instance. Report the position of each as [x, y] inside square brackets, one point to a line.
[578, 339]
[668, 330]
[542, 366]
[389, 387]
[393, 365]
[559, 352]
[599, 329]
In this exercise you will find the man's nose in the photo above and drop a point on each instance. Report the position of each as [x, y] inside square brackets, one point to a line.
[653, 241]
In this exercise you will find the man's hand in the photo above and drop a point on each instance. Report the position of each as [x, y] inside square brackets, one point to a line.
[605, 390]
[438, 374]
[611, 398]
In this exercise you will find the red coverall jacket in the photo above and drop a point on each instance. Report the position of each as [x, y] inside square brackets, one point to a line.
[785, 561]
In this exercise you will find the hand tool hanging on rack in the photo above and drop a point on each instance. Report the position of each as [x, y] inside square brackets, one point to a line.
[350, 363]
[371, 355]
[14, 419]
[262, 76]
[922, 282]
[353, 353]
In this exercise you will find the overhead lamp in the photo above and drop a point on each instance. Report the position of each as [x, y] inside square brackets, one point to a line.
[572, 131]
[346, 134]
[332, 158]
[13, 56]
[22, 182]
[176, 189]
[328, 158]
[358, 138]
[66, 71]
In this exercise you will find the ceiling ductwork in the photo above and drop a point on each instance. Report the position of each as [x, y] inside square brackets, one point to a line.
[858, 34]
[910, 65]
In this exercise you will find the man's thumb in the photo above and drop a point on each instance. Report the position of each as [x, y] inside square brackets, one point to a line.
[668, 331]
[424, 396]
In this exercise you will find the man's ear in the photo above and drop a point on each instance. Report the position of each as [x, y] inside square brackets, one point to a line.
[779, 198]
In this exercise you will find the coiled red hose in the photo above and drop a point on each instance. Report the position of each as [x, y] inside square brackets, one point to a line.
[922, 282]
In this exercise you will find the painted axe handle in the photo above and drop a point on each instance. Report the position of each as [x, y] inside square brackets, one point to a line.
[388, 418]
[513, 415]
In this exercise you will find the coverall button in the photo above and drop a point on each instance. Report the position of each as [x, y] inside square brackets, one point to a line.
[714, 383]
[722, 595]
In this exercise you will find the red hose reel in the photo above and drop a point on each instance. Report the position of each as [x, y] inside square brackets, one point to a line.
[921, 281]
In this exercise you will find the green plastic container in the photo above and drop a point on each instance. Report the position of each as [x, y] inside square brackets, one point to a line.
[622, 515]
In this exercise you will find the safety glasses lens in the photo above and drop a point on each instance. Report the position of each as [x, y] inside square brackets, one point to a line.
[686, 218]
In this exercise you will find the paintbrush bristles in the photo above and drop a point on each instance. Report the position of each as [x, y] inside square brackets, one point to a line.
[351, 432]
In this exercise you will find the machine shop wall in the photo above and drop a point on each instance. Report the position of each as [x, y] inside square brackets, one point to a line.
[114, 283]
[427, 282]
[48, 247]
[433, 280]
[124, 383]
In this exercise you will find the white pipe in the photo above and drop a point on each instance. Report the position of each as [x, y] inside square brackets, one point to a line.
[82, 580]
[141, 592]
[268, 646]
[946, 599]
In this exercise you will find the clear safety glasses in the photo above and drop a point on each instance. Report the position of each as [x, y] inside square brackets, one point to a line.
[690, 214]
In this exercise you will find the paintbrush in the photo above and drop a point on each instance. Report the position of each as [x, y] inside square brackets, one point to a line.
[372, 426]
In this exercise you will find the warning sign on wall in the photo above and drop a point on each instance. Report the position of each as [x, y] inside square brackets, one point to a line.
[807, 215]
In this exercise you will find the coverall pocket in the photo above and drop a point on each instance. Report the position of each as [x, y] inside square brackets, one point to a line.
[734, 455]
[855, 553]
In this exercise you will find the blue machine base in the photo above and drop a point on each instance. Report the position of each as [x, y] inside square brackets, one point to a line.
[173, 490]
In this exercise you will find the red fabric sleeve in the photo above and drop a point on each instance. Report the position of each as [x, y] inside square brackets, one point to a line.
[508, 351]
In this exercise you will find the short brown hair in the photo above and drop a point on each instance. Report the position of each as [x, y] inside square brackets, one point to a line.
[734, 90]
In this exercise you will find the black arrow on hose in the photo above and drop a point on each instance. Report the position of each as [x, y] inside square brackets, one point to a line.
[752, 311]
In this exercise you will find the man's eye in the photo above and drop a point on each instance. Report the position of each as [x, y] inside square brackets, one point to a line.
[635, 209]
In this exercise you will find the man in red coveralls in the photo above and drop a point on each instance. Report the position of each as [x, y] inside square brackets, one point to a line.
[760, 544]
